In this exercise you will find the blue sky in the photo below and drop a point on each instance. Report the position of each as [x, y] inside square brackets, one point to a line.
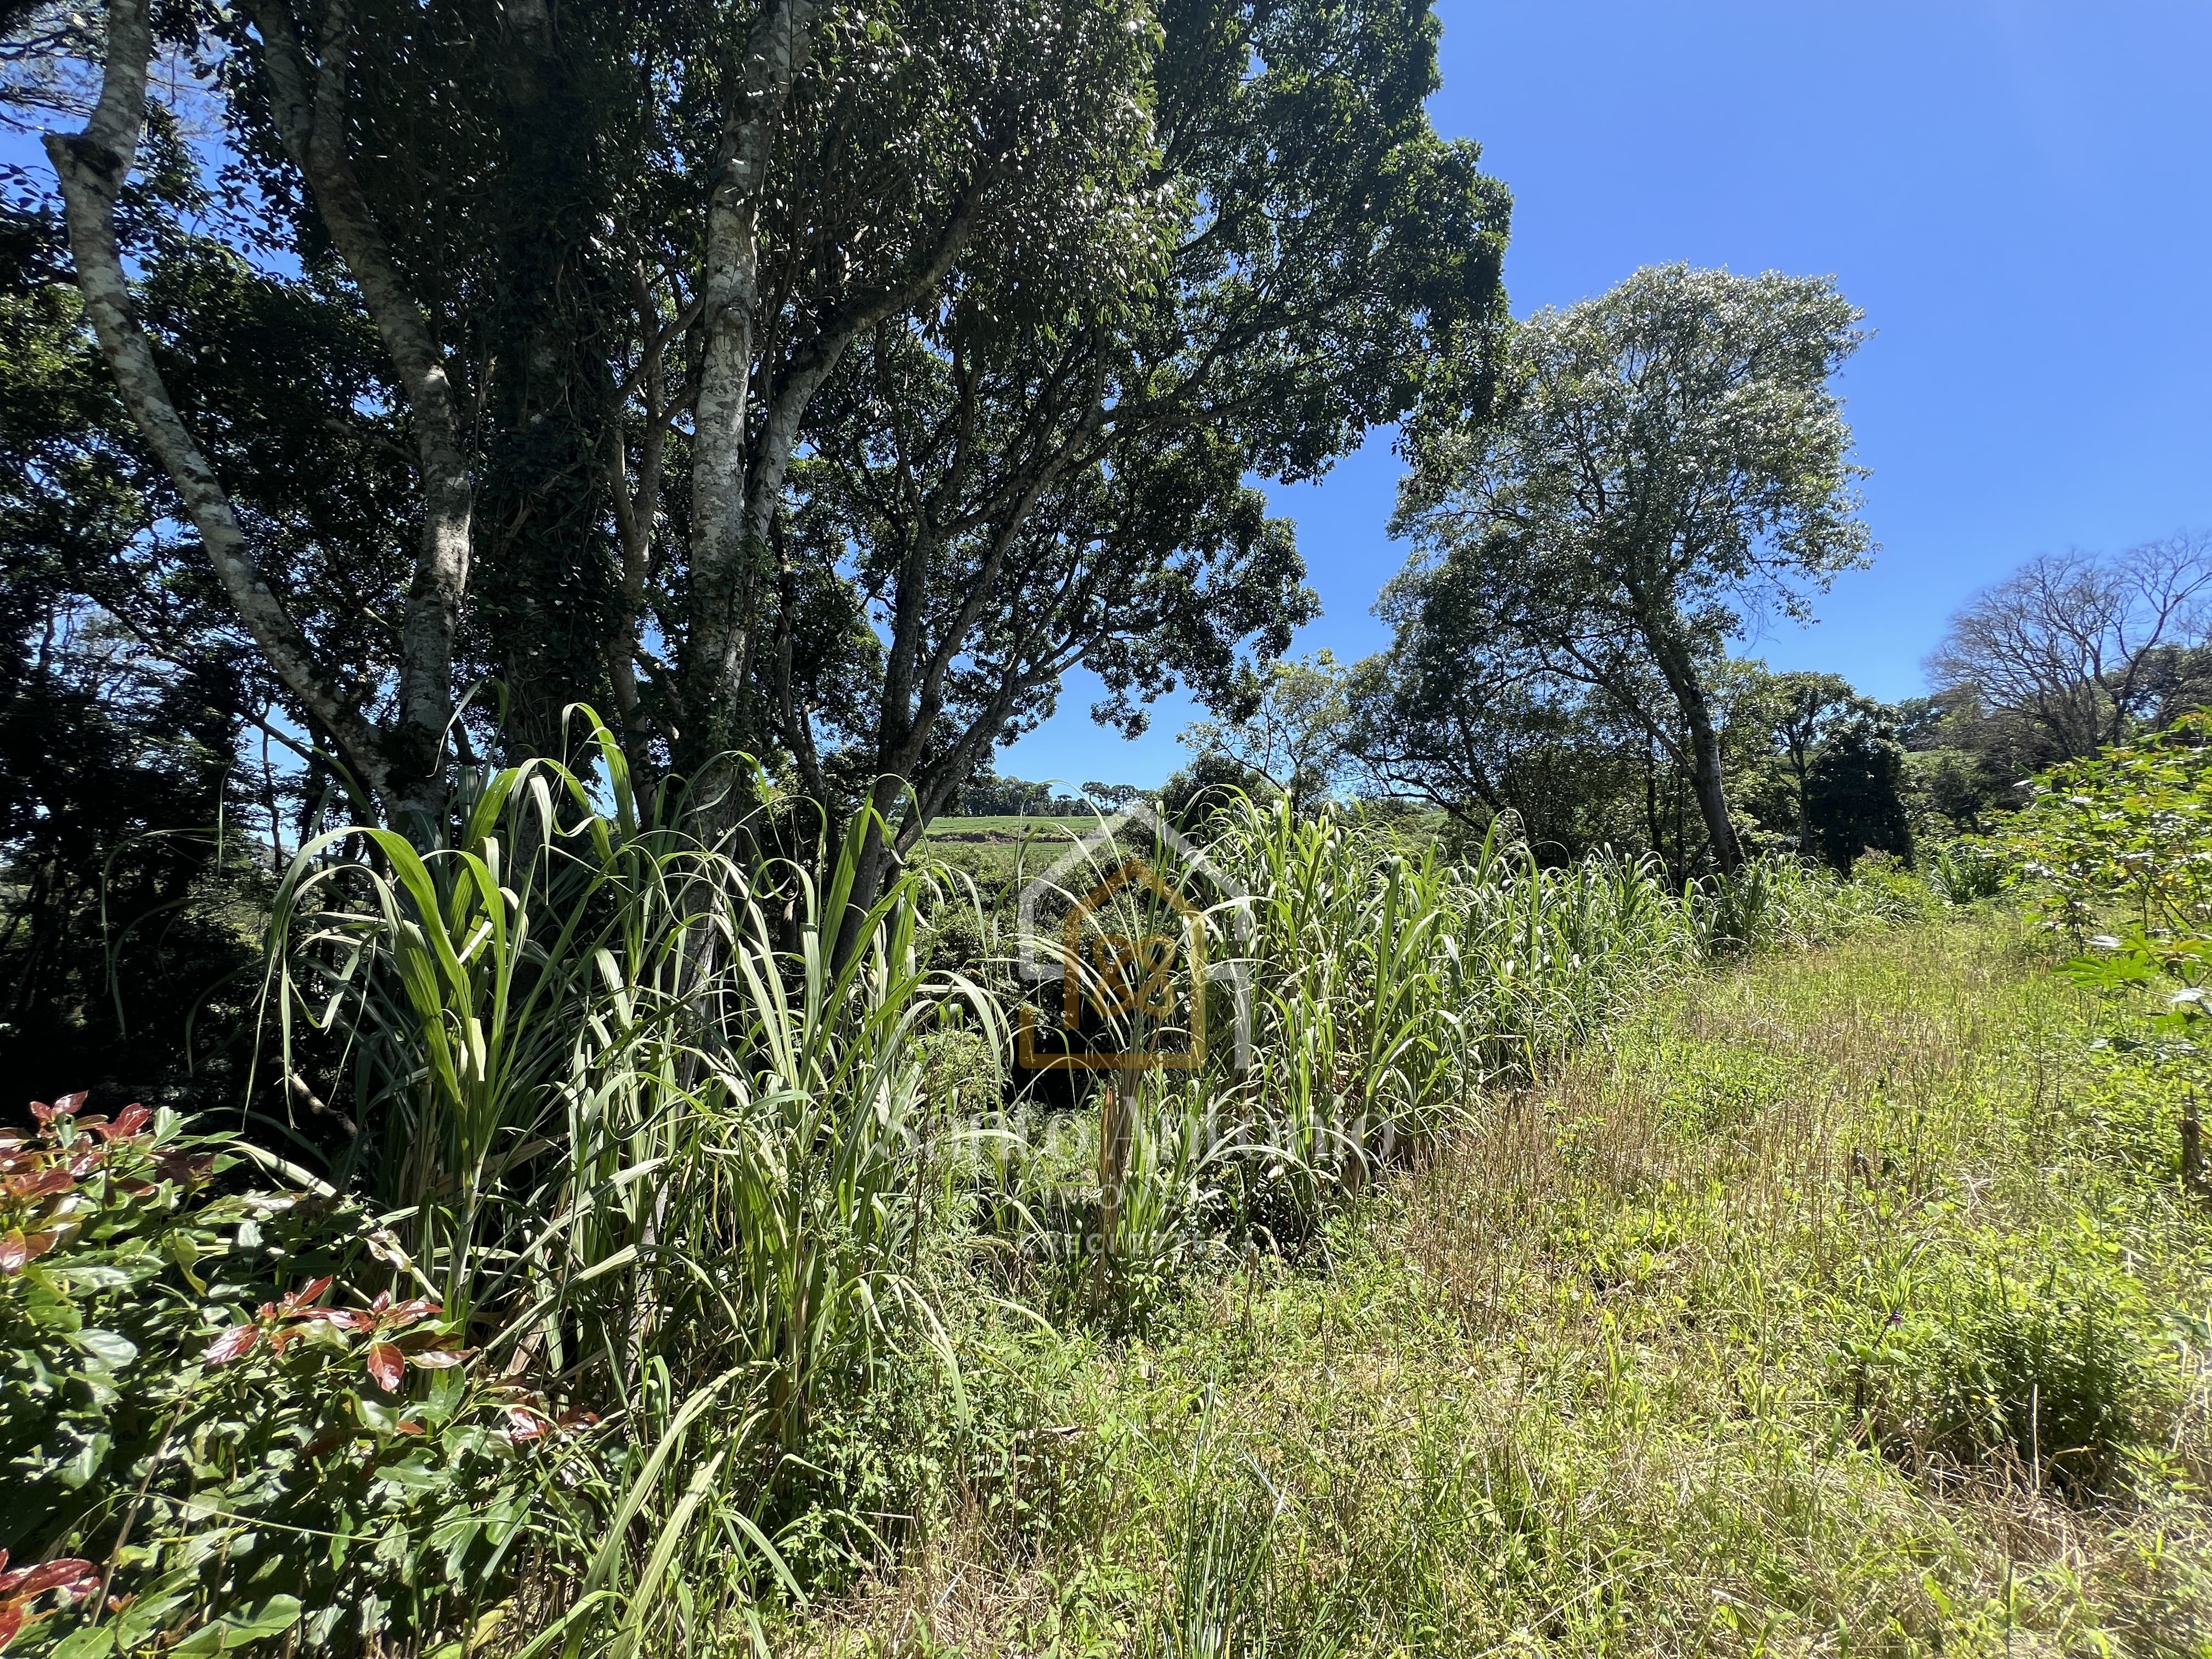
[2017, 192]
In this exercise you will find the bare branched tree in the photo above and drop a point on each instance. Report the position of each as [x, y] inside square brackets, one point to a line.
[2074, 641]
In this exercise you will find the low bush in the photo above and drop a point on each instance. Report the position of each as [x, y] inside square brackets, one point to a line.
[1892, 891]
[197, 1397]
[1967, 871]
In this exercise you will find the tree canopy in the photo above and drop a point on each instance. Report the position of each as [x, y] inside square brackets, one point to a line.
[2084, 647]
[814, 382]
[1664, 461]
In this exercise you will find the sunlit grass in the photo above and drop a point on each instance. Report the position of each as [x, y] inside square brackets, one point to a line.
[1652, 1358]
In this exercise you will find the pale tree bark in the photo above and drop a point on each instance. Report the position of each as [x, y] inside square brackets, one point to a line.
[92, 166]
[309, 105]
[729, 293]
[751, 398]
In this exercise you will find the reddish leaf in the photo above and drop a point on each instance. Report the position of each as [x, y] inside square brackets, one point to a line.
[346, 1319]
[39, 1243]
[15, 1252]
[385, 1366]
[128, 1122]
[409, 1426]
[438, 1359]
[233, 1344]
[40, 1185]
[382, 1303]
[64, 1107]
[410, 1312]
[576, 1419]
[11, 1621]
[523, 1424]
[304, 1299]
[68, 1574]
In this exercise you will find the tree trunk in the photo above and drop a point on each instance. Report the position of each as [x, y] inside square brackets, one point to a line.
[1681, 674]
[725, 555]
[92, 167]
[308, 100]
[1657, 829]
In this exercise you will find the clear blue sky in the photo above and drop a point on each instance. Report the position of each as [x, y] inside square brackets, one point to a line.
[2017, 192]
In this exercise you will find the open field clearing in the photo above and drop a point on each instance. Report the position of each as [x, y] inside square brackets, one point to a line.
[1009, 829]
[1847, 1301]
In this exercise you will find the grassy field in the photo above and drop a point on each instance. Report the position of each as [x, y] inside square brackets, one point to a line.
[1008, 829]
[1847, 1301]
[996, 850]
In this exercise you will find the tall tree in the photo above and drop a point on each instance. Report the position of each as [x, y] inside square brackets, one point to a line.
[1467, 712]
[2082, 647]
[1664, 459]
[1053, 464]
[1854, 793]
[1785, 719]
[607, 256]
[1294, 728]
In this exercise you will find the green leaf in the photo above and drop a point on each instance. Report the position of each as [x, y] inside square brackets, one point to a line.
[80, 1468]
[113, 1352]
[86, 1643]
[85, 1276]
[413, 1474]
[272, 1618]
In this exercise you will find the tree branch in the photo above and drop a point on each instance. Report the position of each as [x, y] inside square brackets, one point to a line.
[92, 166]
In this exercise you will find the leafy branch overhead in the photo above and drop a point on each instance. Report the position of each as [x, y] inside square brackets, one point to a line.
[808, 382]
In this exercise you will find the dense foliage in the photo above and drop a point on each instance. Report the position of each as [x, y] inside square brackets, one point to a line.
[593, 1195]
[630, 1158]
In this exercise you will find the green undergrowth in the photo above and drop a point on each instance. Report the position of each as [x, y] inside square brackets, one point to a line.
[1846, 1301]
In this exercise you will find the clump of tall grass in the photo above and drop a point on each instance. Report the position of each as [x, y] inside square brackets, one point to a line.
[1780, 903]
[1387, 990]
[1968, 870]
[659, 1152]
[2046, 1360]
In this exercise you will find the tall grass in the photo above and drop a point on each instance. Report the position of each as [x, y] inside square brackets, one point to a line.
[638, 1130]
[676, 1164]
[1389, 990]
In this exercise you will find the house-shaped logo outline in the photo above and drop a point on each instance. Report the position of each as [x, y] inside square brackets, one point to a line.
[1236, 903]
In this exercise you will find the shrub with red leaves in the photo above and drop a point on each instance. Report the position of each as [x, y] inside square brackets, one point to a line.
[171, 1352]
[68, 1578]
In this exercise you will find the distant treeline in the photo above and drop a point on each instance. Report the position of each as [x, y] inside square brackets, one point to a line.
[987, 795]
